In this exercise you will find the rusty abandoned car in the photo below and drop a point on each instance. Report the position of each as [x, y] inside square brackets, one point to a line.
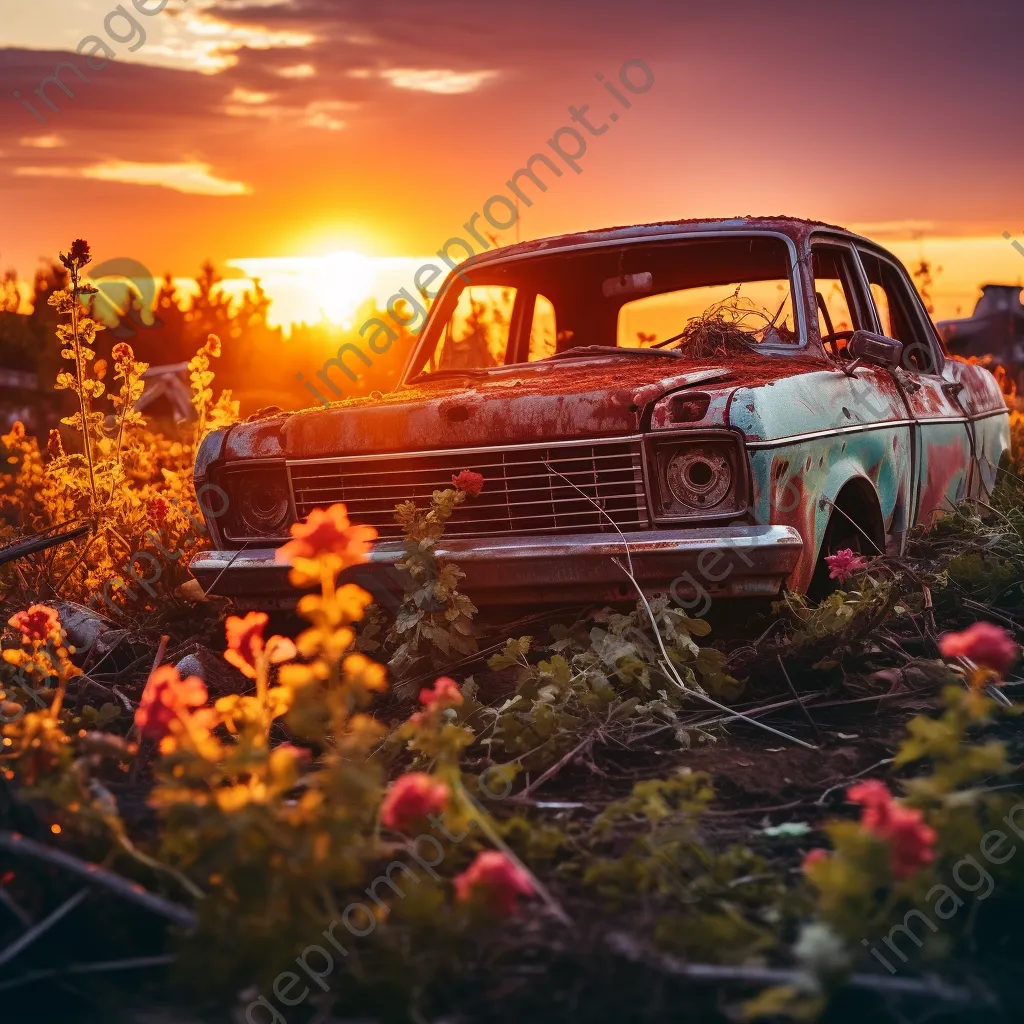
[730, 399]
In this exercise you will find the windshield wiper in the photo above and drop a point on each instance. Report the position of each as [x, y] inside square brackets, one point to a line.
[610, 350]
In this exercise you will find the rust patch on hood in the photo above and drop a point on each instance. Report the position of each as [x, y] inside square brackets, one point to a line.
[557, 400]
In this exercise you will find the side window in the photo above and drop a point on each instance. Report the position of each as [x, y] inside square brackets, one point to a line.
[543, 330]
[836, 297]
[477, 333]
[898, 313]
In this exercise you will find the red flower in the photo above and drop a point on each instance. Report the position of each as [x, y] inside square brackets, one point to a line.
[411, 799]
[166, 697]
[983, 643]
[843, 564]
[468, 481]
[445, 693]
[911, 841]
[813, 857]
[37, 624]
[903, 828]
[875, 798]
[328, 532]
[159, 509]
[497, 879]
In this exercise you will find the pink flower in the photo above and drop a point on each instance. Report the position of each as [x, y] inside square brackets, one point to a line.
[411, 799]
[495, 878]
[843, 564]
[983, 643]
[911, 841]
[468, 481]
[813, 857]
[445, 693]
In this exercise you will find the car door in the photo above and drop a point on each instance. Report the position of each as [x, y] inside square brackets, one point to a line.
[942, 438]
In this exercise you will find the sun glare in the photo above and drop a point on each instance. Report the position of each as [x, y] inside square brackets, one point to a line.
[311, 289]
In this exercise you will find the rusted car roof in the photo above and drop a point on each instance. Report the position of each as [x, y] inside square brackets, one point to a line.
[796, 228]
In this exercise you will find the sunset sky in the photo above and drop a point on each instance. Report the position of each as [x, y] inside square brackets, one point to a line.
[261, 132]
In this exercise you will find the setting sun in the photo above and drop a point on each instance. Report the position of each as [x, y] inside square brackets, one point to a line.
[310, 289]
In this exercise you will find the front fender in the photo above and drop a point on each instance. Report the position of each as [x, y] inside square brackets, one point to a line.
[798, 484]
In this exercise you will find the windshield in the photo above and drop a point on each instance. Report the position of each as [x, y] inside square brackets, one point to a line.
[704, 298]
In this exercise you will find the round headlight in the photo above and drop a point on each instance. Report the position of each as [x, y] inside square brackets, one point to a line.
[263, 504]
[697, 479]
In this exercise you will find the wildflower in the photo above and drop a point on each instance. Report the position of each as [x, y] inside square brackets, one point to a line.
[245, 643]
[54, 445]
[874, 797]
[813, 857]
[38, 624]
[843, 564]
[497, 879]
[445, 692]
[910, 840]
[78, 256]
[983, 643]
[122, 353]
[326, 541]
[166, 698]
[411, 799]
[99, 369]
[468, 481]
[159, 509]
[212, 346]
[303, 755]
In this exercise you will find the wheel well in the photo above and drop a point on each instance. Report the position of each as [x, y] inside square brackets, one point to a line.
[858, 501]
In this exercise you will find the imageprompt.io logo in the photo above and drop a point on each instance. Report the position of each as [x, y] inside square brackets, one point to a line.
[125, 296]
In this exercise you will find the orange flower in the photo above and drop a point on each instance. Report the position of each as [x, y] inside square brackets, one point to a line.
[212, 346]
[54, 445]
[495, 878]
[411, 799]
[245, 643]
[38, 623]
[468, 481]
[122, 353]
[166, 698]
[99, 369]
[983, 643]
[328, 532]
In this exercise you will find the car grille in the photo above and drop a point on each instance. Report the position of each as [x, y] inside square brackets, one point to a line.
[526, 490]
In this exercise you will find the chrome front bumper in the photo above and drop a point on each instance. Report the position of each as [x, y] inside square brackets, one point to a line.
[734, 561]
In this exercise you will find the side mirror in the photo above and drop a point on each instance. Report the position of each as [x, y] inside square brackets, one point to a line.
[867, 347]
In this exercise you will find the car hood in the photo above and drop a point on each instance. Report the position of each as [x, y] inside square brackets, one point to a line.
[546, 401]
